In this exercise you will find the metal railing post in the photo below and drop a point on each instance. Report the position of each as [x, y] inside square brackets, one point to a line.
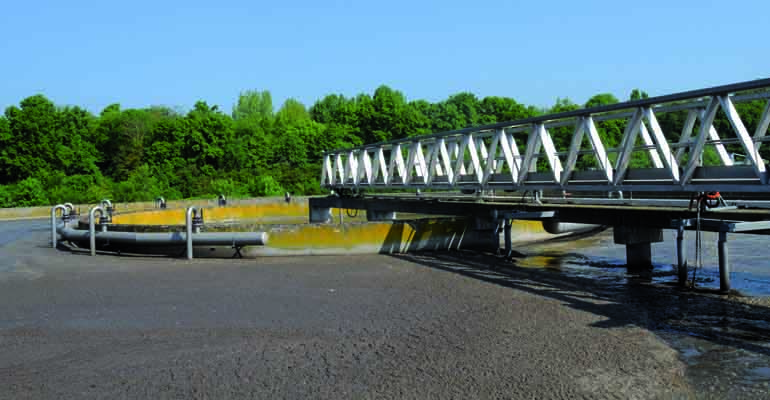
[351, 168]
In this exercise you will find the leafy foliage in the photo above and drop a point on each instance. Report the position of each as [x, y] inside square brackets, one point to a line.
[265, 185]
[56, 154]
[6, 196]
[29, 192]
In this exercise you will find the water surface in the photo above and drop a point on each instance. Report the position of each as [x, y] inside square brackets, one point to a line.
[598, 256]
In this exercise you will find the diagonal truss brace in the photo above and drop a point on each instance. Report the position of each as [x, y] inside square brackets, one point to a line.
[490, 155]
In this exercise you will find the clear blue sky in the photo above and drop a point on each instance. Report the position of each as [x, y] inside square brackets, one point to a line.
[171, 52]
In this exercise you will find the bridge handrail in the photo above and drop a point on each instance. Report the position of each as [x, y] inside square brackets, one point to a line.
[488, 156]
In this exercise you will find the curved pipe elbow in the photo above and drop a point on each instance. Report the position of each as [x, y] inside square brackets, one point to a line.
[556, 227]
[54, 228]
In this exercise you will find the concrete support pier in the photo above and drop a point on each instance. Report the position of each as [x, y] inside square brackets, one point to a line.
[379, 215]
[639, 255]
[488, 227]
[724, 263]
[638, 242]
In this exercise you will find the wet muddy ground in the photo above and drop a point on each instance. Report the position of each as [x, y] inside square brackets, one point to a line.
[441, 325]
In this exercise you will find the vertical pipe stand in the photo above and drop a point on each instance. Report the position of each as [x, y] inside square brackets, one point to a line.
[54, 236]
[92, 227]
[724, 263]
[681, 256]
[189, 226]
[507, 235]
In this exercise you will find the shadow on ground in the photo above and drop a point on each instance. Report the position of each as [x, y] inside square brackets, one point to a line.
[739, 322]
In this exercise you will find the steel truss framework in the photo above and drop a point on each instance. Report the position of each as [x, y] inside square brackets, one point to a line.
[489, 157]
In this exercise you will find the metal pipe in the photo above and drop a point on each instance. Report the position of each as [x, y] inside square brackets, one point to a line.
[63, 209]
[556, 227]
[92, 227]
[70, 208]
[189, 229]
[681, 255]
[167, 238]
[724, 264]
[507, 233]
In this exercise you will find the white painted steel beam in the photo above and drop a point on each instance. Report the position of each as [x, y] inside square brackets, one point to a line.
[489, 157]
[550, 153]
[686, 134]
[627, 146]
[764, 123]
[652, 151]
[669, 160]
[696, 150]
[599, 151]
[743, 135]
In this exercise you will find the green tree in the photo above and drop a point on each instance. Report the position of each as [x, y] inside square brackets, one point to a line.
[6, 197]
[265, 185]
[229, 188]
[29, 192]
[75, 150]
[601, 99]
[126, 133]
[6, 152]
[252, 147]
[78, 189]
[381, 116]
[637, 94]
[499, 109]
[466, 106]
[292, 111]
[335, 109]
[31, 146]
[209, 133]
[141, 185]
[298, 143]
[253, 103]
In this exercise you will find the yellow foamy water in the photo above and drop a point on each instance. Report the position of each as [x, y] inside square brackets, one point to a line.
[289, 234]
[397, 234]
[215, 214]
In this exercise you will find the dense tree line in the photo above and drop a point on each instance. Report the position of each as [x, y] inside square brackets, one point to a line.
[51, 154]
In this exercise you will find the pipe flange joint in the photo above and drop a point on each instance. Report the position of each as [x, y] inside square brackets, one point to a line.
[105, 219]
[197, 219]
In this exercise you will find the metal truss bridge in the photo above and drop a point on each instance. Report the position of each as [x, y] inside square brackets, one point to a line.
[505, 155]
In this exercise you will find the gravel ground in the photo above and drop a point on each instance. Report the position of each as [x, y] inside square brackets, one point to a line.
[418, 326]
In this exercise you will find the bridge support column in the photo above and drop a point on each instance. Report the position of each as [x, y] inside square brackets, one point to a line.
[681, 256]
[724, 263]
[638, 242]
[378, 215]
[507, 234]
[488, 227]
[320, 215]
[639, 255]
